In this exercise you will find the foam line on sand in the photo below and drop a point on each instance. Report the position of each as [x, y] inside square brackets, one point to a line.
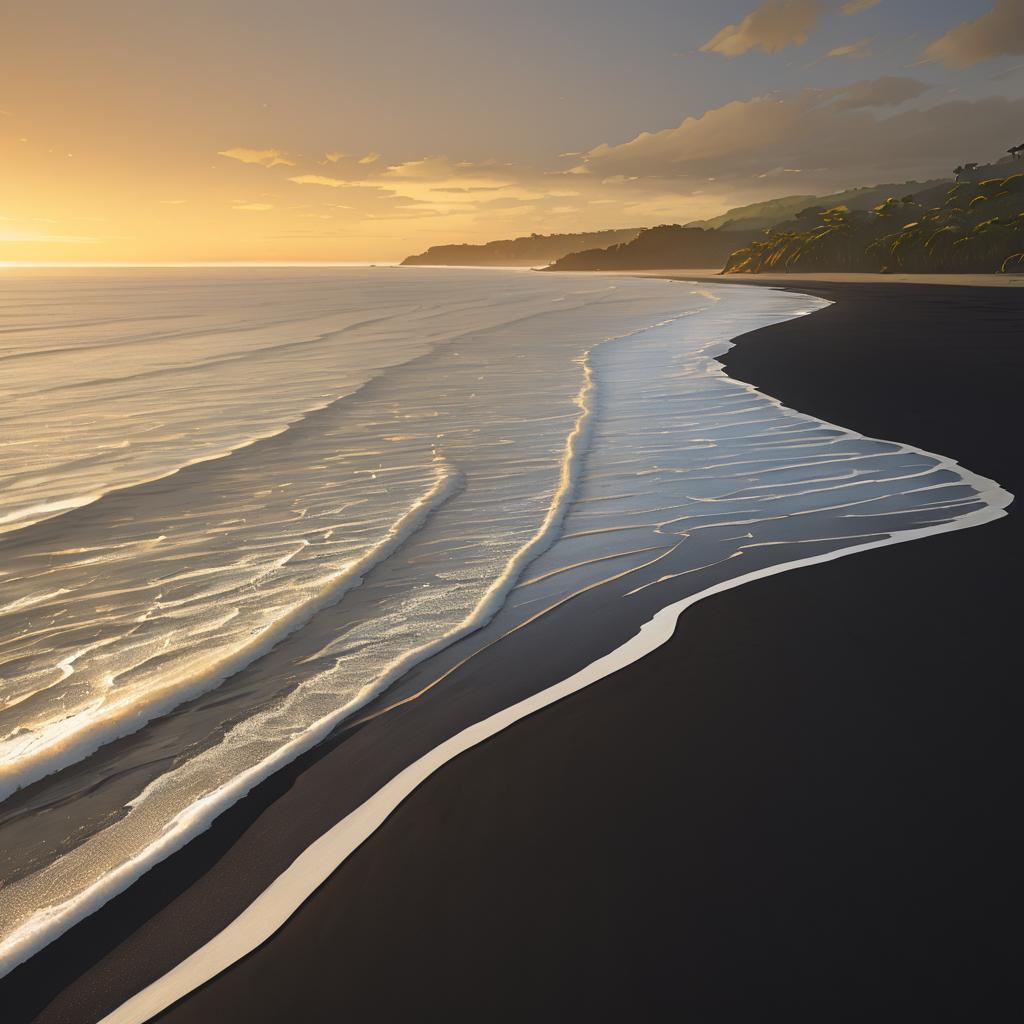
[276, 904]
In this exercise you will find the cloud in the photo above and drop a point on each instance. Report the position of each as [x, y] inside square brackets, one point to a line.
[370, 158]
[852, 50]
[837, 136]
[464, 189]
[333, 158]
[438, 180]
[470, 197]
[264, 157]
[999, 33]
[856, 6]
[253, 206]
[888, 91]
[323, 179]
[771, 27]
[474, 196]
[484, 172]
[172, 202]
[741, 126]
[775, 172]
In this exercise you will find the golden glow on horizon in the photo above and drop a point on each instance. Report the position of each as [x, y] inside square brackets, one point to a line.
[184, 264]
[109, 179]
[242, 205]
[175, 134]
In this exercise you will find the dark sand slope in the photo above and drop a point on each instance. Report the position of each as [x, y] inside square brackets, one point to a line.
[806, 803]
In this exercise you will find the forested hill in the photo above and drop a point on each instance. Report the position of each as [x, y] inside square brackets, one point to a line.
[660, 248]
[528, 251]
[974, 224]
[773, 211]
[973, 227]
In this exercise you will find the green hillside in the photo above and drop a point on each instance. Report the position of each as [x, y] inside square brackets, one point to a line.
[660, 248]
[977, 227]
[774, 211]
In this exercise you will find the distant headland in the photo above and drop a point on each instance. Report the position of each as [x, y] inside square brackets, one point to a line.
[527, 251]
[971, 222]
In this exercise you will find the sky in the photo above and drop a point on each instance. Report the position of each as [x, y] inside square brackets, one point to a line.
[220, 130]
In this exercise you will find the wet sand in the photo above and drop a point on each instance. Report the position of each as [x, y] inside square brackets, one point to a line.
[816, 280]
[804, 803]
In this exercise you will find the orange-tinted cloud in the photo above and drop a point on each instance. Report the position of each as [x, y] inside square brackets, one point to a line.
[856, 6]
[859, 49]
[999, 33]
[773, 26]
[264, 157]
[321, 179]
[836, 136]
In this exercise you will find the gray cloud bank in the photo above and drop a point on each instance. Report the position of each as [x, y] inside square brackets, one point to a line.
[835, 137]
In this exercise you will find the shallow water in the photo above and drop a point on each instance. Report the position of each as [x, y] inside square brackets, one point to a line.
[239, 504]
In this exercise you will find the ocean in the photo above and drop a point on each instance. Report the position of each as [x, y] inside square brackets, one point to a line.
[238, 505]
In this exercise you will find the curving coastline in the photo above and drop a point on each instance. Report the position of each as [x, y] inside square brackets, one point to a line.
[274, 906]
[41, 926]
[813, 559]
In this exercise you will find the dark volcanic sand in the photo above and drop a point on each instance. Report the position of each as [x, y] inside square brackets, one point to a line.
[806, 803]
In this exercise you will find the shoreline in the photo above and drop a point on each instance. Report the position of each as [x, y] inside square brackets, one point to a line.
[272, 909]
[795, 282]
[21, 944]
[111, 962]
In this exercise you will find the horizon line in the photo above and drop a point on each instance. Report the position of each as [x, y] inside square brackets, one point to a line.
[142, 264]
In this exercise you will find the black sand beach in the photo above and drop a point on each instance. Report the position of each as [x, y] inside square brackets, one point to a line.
[805, 804]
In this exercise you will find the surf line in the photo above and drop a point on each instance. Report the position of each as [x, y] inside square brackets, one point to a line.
[61, 748]
[279, 901]
[46, 924]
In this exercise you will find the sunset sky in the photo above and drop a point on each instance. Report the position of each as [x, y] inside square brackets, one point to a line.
[315, 130]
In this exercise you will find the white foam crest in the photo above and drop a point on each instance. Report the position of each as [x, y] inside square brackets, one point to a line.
[279, 901]
[27, 758]
[32, 599]
[45, 924]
